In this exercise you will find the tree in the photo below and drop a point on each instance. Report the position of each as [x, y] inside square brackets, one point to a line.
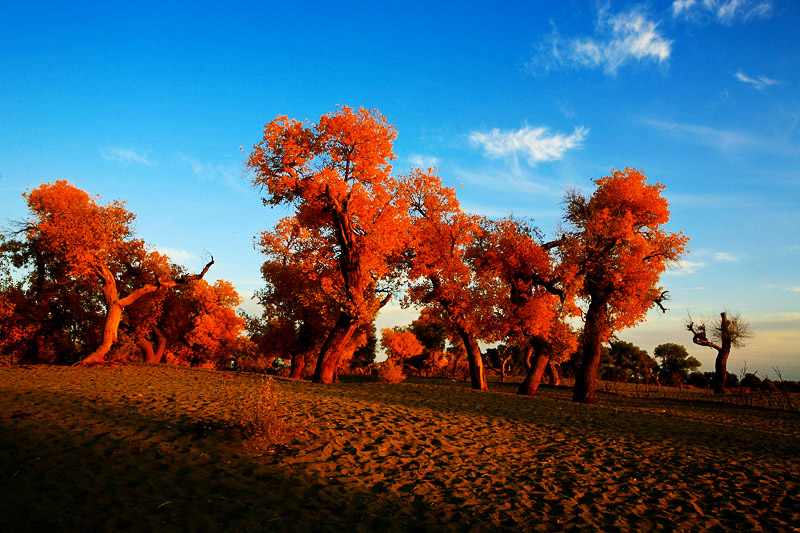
[533, 301]
[201, 325]
[400, 344]
[337, 175]
[95, 244]
[302, 296]
[675, 363]
[616, 244]
[439, 269]
[365, 354]
[626, 362]
[726, 333]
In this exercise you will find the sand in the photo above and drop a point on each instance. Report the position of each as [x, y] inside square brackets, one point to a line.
[148, 448]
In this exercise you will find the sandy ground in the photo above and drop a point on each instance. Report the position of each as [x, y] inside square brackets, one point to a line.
[141, 449]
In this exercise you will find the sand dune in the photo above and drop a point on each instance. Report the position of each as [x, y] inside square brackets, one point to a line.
[145, 448]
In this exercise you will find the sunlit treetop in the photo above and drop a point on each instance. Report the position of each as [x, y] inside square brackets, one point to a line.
[337, 175]
[73, 225]
[617, 244]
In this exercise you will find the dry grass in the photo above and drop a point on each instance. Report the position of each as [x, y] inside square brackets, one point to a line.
[389, 372]
[259, 413]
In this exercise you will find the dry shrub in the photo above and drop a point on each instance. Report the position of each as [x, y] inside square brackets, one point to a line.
[259, 414]
[389, 372]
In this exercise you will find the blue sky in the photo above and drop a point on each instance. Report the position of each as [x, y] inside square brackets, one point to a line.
[150, 103]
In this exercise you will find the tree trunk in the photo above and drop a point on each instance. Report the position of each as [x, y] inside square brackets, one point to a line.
[110, 329]
[302, 355]
[720, 369]
[593, 332]
[721, 362]
[553, 373]
[477, 373]
[151, 355]
[333, 350]
[526, 358]
[115, 305]
[534, 377]
[298, 369]
[147, 349]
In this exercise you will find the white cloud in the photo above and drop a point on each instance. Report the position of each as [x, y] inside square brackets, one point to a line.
[423, 161]
[683, 267]
[723, 11]
[210, 172]
[125, 155]
[794, 289]
[759, 83]
[204, 171]
[622, 38]
[537, 143]
[723, 256]
[178, 256]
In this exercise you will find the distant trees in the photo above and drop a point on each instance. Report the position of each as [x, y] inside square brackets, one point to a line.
[400, 345]
[726, 333]
[675, 364]
[624, 361]
[617, 248]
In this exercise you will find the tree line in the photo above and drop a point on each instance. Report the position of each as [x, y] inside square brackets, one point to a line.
[359, 236]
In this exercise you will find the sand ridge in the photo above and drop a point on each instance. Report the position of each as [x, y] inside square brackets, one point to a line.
[119, 448]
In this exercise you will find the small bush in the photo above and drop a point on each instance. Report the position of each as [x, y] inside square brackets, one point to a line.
[259, 415]
[389, 372]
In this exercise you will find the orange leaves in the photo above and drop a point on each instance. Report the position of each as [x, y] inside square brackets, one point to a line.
[618, 245]
[400, 344]
[337, 175]
[71, 224]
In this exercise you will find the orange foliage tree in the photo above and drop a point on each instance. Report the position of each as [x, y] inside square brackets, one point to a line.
[337, 175]
[533, 299]
[47, 317]
[439, 269]
[400, 344]
[201, 325]
[95, 243]
[618, 247]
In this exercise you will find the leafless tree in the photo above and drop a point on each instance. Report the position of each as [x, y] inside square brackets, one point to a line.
[726, 333]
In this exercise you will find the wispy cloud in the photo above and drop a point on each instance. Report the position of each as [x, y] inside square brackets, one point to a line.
[176, 255]
[704, 258]
[760, 83]
[723, 11]
[205, 171]
[620, 38]
[423, 161]
[683, 267]
[211, 172]
[724, 256]
[538, 144]
[125, 156]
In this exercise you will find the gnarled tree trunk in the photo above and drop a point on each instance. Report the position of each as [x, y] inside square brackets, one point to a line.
[333, 350]
[553, 373]
[477, 373]
[115, 305]
[153, 355]
[593, 332]
[534, 376]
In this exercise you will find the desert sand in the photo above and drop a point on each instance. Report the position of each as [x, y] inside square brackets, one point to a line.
[146, 448]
